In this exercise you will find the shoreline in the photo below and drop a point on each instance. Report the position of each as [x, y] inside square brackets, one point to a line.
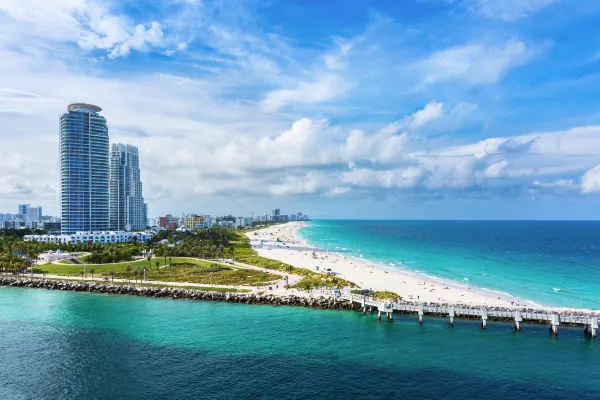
[293, 249]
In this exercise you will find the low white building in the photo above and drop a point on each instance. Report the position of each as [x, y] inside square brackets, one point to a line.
[55, 256]
[93, 237]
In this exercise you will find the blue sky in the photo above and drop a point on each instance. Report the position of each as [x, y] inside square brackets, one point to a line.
[370, 109]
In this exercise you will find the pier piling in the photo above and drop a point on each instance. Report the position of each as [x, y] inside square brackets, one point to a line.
[590, 328]
[518, 320]
[420, 312]
[451, 315]
[379, 315]
[554, 322]
[484, 317]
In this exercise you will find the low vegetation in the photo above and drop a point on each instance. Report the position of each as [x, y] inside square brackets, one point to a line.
[217, 274]
[385, 295]
[382, 295]
[177, 269]
[244, 253]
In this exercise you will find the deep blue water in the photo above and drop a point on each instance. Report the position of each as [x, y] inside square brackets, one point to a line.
[65, 345]
[549, 262]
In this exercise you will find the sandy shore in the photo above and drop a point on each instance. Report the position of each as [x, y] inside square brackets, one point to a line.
[292, 250]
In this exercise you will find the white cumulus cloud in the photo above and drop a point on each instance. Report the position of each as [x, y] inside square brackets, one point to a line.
[590, 181]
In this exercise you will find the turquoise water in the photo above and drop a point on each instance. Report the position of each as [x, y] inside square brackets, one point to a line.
[65, 345]
[548, 262]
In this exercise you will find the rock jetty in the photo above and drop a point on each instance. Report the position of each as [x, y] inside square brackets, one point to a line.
[180, 293]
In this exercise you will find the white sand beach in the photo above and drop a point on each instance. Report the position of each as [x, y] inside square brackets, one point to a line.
[411, 286]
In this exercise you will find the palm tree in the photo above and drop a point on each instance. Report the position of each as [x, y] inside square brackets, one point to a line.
[149, 258]
[81, 272]
[170, 261]
[33, 254]
[157, 265]
[112, 275]
[128, 273]
[92, 271]
[135, 275]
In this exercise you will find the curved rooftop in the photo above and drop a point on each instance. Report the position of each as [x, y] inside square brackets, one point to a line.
[84, 107]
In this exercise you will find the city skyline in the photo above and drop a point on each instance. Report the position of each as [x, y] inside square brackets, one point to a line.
[465, 109]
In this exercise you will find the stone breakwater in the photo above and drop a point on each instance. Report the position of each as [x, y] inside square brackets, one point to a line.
[180, 293]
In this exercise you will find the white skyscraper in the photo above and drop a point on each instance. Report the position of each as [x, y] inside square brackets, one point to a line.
[83, 169]
[127, 208]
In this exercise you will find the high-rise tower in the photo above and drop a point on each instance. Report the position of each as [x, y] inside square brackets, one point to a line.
[84, 169]
[127, 208]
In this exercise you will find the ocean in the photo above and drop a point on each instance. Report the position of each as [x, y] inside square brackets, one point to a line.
[67, 345]
[553, 263]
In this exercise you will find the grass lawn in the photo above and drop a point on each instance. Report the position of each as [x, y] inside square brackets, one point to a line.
[103, 269]
[182, 270]
[221, 274]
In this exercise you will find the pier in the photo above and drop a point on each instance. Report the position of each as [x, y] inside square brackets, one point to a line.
[589, 322]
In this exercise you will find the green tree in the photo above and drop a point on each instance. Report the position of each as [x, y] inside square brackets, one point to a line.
[112, 275]
[128, 269]
[157, 263]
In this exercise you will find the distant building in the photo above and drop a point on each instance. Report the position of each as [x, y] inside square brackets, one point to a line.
[240, 222]
[51, 226]
[209, 221]
[127, 207]
[154, 221]
[35, 213]
[194, 221]
[7, 217]
[24, 210]
[227, 220]
[84, 170]
[168, 222]
[34, 224]
[10, 224]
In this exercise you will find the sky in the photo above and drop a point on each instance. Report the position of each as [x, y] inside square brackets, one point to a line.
[424, 109]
